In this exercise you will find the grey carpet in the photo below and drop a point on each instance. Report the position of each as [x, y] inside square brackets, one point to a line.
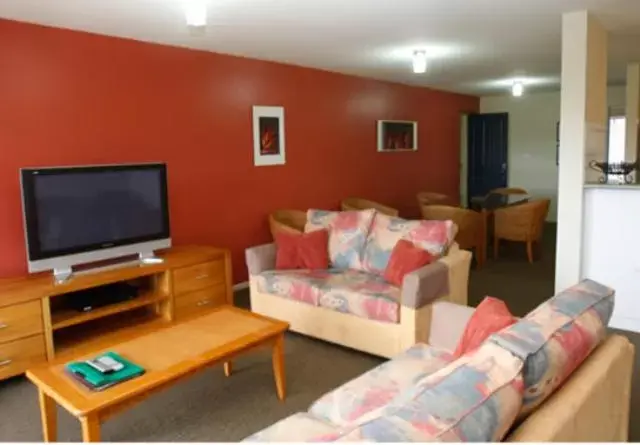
[210, 407]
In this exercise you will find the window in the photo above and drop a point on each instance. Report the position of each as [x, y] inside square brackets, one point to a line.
[617, 138]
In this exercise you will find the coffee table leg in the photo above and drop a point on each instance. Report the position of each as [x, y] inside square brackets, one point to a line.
[90, 428]
[228, 368]
[49, 417]
[278, 366]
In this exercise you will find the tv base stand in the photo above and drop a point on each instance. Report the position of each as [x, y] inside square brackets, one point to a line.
[38, 325]
[62, 274]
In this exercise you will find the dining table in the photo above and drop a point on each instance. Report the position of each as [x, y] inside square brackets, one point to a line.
[490, 202]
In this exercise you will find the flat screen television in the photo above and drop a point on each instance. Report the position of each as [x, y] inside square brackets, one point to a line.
[76, 215]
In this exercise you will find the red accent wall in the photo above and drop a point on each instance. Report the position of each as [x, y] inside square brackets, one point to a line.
[75, 98]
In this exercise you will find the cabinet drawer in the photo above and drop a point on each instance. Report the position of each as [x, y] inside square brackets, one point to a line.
[20, 320]
[17, 356]
[187, 279]
[200, 301]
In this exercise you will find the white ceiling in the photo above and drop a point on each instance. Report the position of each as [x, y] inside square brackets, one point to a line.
[475, 46]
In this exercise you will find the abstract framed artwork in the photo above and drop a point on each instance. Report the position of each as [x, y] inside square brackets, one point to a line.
[397, 136]
[268, 136]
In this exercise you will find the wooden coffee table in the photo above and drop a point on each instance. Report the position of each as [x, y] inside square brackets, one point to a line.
[168, 355]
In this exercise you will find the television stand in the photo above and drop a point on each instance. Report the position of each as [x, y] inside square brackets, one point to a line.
[39, 322]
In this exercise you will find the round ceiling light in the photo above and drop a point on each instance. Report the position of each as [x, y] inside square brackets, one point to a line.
[419, 62]
[517, 89]
[195, 12]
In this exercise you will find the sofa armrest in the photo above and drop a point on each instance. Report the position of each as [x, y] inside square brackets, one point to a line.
[447, 277]
[261, 258]
[425, 285]
[448, 321]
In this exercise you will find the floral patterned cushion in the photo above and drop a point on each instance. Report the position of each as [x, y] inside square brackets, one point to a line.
[473, 399]
[378, 387]
[386, 231]
[300, 285]
[557, 336]
[296, 428]
[362, 294]
[349, 291]
[347, 234]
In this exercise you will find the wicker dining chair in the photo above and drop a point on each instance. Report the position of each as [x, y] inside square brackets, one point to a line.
[509, 191]
[289, 221]
[470, 233]
[431, 198]
[364, 204]
[523, 223]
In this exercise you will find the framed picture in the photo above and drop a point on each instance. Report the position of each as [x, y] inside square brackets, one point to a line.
[268, 136]
[396, 136]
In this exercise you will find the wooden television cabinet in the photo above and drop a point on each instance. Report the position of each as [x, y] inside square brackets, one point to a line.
[36, 326]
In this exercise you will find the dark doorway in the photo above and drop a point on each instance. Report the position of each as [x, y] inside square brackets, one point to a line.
[488, 145]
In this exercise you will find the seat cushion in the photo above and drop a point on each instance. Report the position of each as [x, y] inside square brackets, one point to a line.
[299, 285]
[298, 427]
[476, 398]
[557, 336]
[347, 234]
[374, 389]
[348, 291]
[361, 294]
[432, 236]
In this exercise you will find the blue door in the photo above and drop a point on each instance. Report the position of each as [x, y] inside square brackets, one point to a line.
[488, 145]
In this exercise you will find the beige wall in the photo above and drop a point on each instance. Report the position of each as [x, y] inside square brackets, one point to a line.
[532, 138]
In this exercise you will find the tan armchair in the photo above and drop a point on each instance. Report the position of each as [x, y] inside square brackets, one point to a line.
[364, 204]
[431, 198]
[523, 222]
[289, 221]
[470, 224]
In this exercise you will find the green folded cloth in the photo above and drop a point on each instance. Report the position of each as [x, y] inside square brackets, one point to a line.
[97, 380]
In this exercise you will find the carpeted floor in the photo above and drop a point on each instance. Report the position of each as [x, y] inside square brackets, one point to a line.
[210, 407]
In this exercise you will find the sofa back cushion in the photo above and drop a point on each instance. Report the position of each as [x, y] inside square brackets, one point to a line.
[474, 399]
[347, 234]
[345, 405]
[556, 337]
[432, 236]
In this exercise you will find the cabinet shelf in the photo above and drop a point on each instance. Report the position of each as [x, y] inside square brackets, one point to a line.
[64, 318]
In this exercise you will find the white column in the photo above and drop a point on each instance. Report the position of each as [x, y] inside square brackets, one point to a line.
[583, 116]
[633, 111]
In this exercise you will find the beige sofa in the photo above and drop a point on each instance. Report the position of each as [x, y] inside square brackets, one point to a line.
[591, 405]
[445, 280]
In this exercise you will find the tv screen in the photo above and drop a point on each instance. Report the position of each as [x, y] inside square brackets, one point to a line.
[83, 209]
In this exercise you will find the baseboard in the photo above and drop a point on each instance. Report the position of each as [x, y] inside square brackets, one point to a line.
[241, 286]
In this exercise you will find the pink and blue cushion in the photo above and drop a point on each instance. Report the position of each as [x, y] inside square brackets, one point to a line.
[432, 236]
[347, 404]
[347, 234]
[349, 291]
[474, 399]
[557, 336]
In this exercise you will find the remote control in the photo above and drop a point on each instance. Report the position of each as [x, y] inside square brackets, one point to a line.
[105, 364]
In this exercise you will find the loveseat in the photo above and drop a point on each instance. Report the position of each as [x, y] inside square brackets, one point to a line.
[554, 375]
[351, 304]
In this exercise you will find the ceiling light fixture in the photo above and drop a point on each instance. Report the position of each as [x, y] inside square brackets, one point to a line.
[196, 12]
[517, 89]
[419, 62]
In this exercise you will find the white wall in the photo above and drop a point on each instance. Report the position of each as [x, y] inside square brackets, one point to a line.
[532, 138]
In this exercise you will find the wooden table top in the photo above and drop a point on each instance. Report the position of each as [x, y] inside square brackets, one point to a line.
[167, 354]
